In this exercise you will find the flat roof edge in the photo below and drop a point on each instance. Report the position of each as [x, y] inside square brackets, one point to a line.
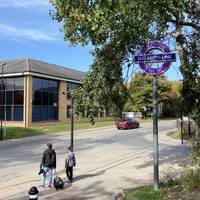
[40, 75]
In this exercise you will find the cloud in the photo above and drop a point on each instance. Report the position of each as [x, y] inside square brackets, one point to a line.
[30, 34]
[24, 3]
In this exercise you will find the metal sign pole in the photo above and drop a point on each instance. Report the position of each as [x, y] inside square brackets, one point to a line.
[143, 58]
[155, 134]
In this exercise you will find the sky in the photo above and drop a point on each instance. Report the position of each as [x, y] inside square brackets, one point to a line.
[27, 31]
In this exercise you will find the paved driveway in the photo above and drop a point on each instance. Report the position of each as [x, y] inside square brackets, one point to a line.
[107, 161]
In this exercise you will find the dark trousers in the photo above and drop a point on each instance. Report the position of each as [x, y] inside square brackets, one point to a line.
[69, 172]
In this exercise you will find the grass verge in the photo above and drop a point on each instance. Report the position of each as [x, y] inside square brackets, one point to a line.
[19, 132]
[177, 135]
[184, 188]
[174, 134]
[144, 193]
[77, 126]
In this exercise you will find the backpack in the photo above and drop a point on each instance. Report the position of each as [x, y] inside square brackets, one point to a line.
[70, 161]
[58, 183]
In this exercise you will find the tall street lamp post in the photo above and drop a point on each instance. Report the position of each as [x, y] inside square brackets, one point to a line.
[181, 112]
[181, 121]
[71, 119]
[72, 124]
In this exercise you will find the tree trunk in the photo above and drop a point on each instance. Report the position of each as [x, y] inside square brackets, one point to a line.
[180, 47]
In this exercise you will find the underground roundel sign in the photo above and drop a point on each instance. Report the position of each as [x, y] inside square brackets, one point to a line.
[164, 58]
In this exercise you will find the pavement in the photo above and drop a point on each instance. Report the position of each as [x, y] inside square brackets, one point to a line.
[108, 160]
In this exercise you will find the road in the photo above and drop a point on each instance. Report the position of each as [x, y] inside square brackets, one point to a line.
[107, 161]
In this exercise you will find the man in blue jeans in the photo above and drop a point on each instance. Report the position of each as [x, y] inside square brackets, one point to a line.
[48, 163]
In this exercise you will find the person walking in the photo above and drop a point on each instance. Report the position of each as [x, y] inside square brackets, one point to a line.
[47, 165]
[70, 162]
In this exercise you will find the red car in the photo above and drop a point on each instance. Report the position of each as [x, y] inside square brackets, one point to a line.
[127, 123]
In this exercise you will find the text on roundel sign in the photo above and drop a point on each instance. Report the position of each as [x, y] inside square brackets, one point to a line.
[143, 58]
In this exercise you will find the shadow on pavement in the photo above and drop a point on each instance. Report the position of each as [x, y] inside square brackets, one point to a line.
[80, 177]
[170, 155]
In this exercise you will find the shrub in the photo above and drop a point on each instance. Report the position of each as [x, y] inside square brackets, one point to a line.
[186, 127]
[195, 152]
[190, 178]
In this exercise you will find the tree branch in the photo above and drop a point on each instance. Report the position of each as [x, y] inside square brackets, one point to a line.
[182, 23]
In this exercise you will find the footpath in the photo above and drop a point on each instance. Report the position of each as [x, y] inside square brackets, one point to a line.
[107, 161]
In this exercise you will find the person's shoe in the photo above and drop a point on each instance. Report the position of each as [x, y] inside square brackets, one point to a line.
[49, 186]
[42, 186]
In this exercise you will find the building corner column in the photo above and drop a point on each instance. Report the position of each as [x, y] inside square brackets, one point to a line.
[62, 104]
[28, 100]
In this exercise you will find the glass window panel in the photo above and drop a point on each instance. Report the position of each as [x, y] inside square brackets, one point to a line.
[53, 86]
[8, 113]
[19, 83]
[10, 84]
[44, 98]
[1, 112]
[37, 98]
[18, 113]
[44, 113]
[55, 113]
[18, 97]
[51, 113]
[37, 84]
[2, 85]
[70, 87]
[2, 97]
[50, 98]
[45, 85]
[9, 97]
[14, 96]
[55, 98]
[36, 116]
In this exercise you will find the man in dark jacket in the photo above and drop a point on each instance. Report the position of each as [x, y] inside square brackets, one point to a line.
[48, 163]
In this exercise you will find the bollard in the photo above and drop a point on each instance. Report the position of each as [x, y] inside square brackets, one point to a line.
[33, 193]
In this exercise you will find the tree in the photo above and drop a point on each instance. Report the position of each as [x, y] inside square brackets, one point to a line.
[118, 28]
[140, 91]
[172, 108]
